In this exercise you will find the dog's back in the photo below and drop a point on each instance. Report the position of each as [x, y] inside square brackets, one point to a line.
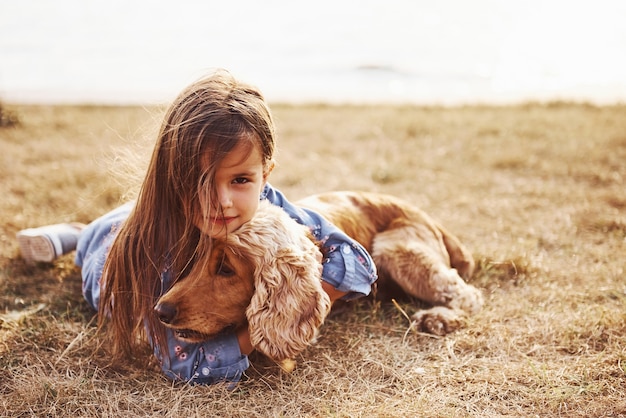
[363, 215]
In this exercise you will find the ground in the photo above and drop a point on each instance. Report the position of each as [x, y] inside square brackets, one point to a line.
[536, 191]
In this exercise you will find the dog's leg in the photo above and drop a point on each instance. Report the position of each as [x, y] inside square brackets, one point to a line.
[426, 275]
[460, 300]
[460, 257]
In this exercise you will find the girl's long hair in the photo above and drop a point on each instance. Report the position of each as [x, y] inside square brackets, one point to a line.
[205, 122]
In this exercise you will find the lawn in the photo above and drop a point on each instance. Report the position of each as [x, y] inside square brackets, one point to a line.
[536, 191]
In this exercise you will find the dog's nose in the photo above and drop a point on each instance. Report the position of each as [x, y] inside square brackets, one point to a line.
[166, 312]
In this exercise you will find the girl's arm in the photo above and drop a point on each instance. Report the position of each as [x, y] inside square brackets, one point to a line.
[348, 267]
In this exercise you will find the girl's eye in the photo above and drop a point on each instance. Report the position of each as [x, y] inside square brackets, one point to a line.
[240, 180]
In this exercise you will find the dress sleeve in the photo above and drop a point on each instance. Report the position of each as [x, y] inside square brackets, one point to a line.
[347, 266]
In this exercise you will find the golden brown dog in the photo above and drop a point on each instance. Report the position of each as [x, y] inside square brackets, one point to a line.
[266, 274]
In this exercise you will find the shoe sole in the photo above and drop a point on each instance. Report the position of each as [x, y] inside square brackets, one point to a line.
[36, 248]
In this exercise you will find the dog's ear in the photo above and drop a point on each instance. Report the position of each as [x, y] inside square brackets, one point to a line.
[289, 304]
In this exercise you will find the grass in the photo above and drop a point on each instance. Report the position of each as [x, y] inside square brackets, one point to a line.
[536, 191]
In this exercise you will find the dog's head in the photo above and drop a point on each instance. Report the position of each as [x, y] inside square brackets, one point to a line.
[266, 275]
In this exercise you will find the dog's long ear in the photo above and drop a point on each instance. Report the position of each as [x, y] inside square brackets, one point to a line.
[289, 304]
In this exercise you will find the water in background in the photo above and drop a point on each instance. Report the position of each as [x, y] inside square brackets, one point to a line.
[417, 51]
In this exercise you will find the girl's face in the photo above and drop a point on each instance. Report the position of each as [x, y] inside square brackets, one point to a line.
[239, 179]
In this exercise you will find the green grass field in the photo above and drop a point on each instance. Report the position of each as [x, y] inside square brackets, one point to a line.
[536, 191]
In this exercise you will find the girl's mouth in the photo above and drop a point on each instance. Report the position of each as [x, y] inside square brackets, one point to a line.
[224, 220]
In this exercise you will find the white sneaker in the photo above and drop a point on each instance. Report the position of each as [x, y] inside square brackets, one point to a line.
[46, 243]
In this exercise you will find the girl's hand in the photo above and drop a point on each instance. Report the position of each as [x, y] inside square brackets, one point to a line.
[333, 293]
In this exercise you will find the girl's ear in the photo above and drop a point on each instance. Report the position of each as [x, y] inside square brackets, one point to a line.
[269, 167]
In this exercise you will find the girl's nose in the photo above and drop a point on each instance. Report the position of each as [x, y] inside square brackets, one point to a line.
[225, 198]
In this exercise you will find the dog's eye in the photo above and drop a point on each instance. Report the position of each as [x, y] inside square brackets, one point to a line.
[225, 270]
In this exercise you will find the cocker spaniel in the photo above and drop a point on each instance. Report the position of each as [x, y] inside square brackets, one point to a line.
[266, 275]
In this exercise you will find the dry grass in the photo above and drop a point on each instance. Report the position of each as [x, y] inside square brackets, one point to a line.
[536, 191]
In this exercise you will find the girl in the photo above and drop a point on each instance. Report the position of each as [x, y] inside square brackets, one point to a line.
[208, 172]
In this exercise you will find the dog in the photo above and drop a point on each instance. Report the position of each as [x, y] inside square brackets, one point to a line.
[266, 275]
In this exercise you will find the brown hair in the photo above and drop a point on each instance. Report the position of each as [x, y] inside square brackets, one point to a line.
[212, 115]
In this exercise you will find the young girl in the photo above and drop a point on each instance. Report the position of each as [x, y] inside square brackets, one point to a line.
[208, 172]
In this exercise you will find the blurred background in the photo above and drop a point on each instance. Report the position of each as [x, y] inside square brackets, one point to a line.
[339, 51]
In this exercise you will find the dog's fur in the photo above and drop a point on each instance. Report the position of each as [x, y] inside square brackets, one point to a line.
[267, 273]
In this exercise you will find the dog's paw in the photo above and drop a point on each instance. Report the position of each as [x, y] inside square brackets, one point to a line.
[438, 320]
[470, 300]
